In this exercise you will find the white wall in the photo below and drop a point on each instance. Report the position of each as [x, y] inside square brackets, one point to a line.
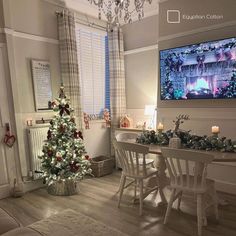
[37, 21]
[140, 43]
[141, 83]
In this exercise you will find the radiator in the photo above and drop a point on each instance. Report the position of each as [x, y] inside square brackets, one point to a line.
[36, 138]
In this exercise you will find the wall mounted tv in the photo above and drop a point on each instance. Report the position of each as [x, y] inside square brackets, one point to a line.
[200, 71]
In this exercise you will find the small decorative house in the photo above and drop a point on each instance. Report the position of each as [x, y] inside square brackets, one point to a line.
[126, 122]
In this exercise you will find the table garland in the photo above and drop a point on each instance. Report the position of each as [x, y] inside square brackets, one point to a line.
[188, 140]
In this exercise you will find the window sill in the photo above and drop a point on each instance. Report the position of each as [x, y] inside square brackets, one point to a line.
[96, 121]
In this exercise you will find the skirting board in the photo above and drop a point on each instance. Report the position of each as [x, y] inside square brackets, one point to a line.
[32, 185]
[4, 191]
[226, 187]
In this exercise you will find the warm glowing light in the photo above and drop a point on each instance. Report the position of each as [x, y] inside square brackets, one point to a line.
[29, 122]
[160, 126]
[200, 83]
[215, 129]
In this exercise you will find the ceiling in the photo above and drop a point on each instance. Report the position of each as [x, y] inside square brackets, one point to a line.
[85, 7]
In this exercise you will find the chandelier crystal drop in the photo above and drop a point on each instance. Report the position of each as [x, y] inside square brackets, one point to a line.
[117, 10]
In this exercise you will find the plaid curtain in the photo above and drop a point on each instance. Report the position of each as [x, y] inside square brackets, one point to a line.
[69, 62]
[117, 76]
[117, 79]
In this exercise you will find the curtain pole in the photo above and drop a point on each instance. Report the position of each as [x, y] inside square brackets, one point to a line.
[83, 22]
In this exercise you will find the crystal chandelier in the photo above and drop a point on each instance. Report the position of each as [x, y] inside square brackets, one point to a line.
[117, 10]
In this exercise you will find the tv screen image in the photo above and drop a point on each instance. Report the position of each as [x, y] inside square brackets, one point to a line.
[200, 71]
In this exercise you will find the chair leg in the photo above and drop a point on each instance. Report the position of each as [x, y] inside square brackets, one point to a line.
[170, 203]
[199, 214]
[141, 197]
[135, 189]
[122, 185]
[179, 200]
[157, 183]
[204, 218]
[215, 200]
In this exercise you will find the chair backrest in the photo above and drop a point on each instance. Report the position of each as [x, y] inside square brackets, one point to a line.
[132, 158]
[126, 137]
[179, 163]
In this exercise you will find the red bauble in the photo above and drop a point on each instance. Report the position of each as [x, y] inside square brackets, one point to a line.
[80, 135]
[53, 104]
[87, 157]
[49, 134]
[62, 128]
[59, 158]
[50, 152]
[74, 167]
[76, 134]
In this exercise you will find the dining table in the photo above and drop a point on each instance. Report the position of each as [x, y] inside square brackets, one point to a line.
[219, 157]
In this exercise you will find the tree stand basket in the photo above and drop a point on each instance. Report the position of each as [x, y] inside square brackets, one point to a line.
[63, 188]
[102, 165]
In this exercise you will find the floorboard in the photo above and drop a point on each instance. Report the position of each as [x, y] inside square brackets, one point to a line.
[98, 199]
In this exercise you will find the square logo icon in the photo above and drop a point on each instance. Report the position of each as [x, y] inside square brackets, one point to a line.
[173, 16]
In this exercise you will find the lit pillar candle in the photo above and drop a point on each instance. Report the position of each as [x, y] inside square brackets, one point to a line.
[29, 122]
[215, 129]
[160, 126]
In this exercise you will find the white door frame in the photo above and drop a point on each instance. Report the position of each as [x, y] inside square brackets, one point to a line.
[5, 117]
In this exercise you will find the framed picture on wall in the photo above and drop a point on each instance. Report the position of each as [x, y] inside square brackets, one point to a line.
[42, 84]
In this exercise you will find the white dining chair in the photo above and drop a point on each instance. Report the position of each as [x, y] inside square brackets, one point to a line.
[129, 155]
[132, 137]
[183, 178]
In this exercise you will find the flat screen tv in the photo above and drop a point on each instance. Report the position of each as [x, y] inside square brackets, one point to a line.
[200, 71]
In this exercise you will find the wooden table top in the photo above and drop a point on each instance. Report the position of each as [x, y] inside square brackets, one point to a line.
[218, 156]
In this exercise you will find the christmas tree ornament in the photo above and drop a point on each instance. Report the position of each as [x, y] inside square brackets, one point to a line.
[72, 119]
[63, 158]
[106, 117]
[86, 120]
[9, 139]
[49, 134]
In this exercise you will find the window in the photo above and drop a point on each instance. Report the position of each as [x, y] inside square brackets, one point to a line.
[92, 45]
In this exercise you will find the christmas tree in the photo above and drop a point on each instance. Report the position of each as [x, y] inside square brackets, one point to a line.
[64, 157]
[167, 90]
[230, 90]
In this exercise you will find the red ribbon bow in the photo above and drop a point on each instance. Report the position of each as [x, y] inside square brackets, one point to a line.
[64, 109]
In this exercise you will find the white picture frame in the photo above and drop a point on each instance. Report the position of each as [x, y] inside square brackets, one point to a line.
[42, 84]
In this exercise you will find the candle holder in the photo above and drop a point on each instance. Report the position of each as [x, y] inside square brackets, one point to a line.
[175, 142]
[159, 131]
[215, 134]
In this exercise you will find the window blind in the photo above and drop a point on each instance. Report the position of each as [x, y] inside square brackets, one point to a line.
[92, 57]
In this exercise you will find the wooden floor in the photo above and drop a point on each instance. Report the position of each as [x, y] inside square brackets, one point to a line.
[98, 199]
